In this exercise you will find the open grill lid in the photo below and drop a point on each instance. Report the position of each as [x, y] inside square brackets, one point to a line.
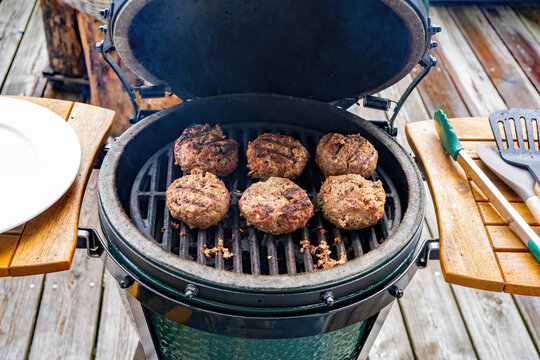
[321, 49]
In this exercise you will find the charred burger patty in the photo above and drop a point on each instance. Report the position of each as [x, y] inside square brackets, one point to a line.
[206, 148]
[339, 154]
[199, 199]
[276, 206]
[351, 202]
[276, 155]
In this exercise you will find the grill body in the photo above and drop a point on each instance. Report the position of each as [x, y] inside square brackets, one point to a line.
[254, 316]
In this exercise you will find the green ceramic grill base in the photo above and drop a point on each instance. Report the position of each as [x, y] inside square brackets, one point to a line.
[175, 341]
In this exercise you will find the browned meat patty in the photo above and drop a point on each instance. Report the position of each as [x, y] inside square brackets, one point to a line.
[206, 148]
[199, 199]
[276, 206]
[351, 202]
[339, 154]
[275, 155]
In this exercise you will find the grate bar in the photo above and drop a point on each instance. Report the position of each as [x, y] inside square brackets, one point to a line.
[148, 210]
[272, 255]
[308, 259]
[338, 241]
[289, 255]
[220, 264]
[254, 252]
[201, 241]
[356, 244]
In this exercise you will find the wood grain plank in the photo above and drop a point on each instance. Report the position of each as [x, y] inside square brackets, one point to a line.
[504, 239]
[529, 307]
[58, 224]
[60, 107]
[19, 299]
[507, 76]
[521, 272]
[492, 217]
[117, 338]
[392, 341]
[530, 16]
[24, 76]
[68, 312]
[509, 194]
[14, 15]
[432, 316]
[519, 40]
[439, 92]
[8, 244]
[466, 256]
[497, 330]
[14, 231]
[467, 73]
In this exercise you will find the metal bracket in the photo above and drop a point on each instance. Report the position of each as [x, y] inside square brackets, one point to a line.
[89, 239]
[105, 48]
[427, 62]
[430, 251]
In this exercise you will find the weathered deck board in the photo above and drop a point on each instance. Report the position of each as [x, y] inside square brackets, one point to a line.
[14, 15]
[501, 333]
[20, 300]
[69, 309]
[507, 76]
[392, 341]
[24, 76]
[117, 338]
[427, 300]
[475, 87]
[519, 40]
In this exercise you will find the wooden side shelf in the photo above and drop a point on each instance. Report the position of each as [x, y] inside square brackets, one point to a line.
[47, 242]
[478, 249]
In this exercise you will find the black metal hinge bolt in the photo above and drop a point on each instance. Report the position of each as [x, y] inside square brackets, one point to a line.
[103, 29]
[395, 291]
[433, 44]
[104, 13]
[126, 282]
[191, 291]
[328, 298]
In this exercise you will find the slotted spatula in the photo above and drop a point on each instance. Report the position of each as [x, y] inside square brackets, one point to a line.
[525, 155]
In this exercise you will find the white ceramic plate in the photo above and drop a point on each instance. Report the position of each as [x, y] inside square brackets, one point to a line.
[40, 155]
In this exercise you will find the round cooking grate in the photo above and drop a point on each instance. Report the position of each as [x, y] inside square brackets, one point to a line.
[255, 252]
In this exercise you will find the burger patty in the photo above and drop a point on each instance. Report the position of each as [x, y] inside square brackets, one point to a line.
[339, 154]
[275, 155]
[276, 206]
[199, 199]
[206, 148]
[351, 202]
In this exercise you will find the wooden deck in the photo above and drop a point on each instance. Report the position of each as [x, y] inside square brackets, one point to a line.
[489, 58]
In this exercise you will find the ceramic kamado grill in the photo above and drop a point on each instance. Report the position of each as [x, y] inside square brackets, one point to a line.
[289, 67]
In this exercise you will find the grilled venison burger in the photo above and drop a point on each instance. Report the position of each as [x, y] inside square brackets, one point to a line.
[339, 154]
[276, 206]
[199, 199]
[205, 147]
[351, 202]
[275, 155]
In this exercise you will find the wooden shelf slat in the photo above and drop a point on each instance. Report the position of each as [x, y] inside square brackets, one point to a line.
[478, 249]
[48, 241]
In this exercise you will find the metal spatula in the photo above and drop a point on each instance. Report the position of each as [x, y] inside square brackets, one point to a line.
[525, 154]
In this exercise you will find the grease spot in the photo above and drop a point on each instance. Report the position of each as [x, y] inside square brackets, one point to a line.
[462, 187]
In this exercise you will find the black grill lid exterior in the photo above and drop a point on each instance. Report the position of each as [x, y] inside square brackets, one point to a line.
[322, 49]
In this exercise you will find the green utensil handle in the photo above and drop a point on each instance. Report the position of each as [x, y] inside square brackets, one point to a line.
[449, 139]
[535, 249]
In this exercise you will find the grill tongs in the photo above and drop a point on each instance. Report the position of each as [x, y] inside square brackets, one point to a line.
[453, 147]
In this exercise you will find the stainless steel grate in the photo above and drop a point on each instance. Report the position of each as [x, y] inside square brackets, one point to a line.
[255, 252]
